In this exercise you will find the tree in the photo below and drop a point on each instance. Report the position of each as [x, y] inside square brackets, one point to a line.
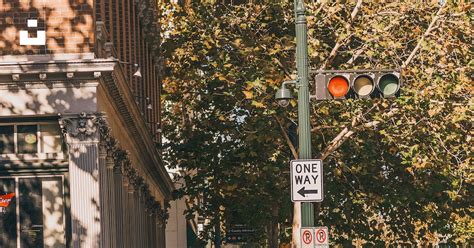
[397, 170]
[215, 128]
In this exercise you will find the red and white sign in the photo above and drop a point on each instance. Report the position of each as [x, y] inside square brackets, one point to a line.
[307, 237]
[321, 236]
[5, 201]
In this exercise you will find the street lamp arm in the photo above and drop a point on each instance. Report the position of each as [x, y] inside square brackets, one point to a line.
[125, 62]
[137, 73]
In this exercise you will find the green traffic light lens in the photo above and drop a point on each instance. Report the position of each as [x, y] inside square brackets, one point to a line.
[363, 85]
[389, 84]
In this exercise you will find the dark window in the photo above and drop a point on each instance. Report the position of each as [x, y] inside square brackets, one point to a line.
[38, 219]
[27, 139]
[7, 142]
[31, 213]
[8, 217]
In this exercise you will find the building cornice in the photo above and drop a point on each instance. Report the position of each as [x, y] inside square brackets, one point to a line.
[46, 57]
[116, 86]
[66, 71]
[54, 66]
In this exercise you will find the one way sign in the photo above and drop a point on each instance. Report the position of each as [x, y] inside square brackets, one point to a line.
[307, 180]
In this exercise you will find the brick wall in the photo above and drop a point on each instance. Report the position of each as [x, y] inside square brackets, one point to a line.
[68, 25]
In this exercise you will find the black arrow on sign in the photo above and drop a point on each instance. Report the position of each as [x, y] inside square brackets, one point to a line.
[303, 192]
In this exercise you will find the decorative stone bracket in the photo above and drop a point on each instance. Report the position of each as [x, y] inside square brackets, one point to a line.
[79, 128]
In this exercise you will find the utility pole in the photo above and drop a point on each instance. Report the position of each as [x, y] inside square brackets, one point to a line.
[304, 131]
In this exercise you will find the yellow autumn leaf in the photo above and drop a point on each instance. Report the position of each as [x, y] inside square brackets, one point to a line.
[258, 104]
[237, 42]
[217, 32]
[207, 44]
[248, 94]
[179, 51]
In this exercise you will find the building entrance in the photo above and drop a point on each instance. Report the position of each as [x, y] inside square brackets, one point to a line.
[34, 217]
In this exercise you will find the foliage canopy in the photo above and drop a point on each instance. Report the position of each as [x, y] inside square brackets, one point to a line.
[397, 170]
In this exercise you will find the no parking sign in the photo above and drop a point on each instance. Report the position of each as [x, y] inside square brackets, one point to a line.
[307, 237]
[321, 236]
[312, 237]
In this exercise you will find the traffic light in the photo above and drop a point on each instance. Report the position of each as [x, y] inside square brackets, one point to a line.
[343, 84]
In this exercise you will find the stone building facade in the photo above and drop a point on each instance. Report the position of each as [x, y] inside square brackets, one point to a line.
[79, 132]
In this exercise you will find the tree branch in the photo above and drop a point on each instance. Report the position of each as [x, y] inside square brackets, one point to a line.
[348, 131]
[427, 32]
[287, 73]
[341, 40]
[364, 47]
[287, 138]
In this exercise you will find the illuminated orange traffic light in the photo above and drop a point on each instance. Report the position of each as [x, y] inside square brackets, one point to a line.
[338, 86]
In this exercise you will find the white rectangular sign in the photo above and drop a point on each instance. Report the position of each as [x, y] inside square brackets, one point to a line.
[321, 237]
[306, 180]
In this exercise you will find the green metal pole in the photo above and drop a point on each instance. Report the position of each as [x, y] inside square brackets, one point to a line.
[307, 211]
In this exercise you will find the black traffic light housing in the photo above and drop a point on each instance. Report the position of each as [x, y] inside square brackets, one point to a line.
[358, 84]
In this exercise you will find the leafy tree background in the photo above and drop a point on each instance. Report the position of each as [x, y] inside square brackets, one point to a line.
[397, 171]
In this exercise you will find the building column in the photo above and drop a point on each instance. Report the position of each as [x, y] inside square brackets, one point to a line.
[160, 232]
[128, 209]
[140, 220]
[82, 137]
[104, 198]
[133, 215]
[113, 205]
[148, 228]
[151, 233]
[119, 203]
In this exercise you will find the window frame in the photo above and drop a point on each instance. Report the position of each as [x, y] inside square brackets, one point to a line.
[14, 136]
[63, 178]
[39, 147]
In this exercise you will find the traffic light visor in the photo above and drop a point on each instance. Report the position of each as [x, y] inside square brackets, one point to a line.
[389, 84]
[338, 86]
